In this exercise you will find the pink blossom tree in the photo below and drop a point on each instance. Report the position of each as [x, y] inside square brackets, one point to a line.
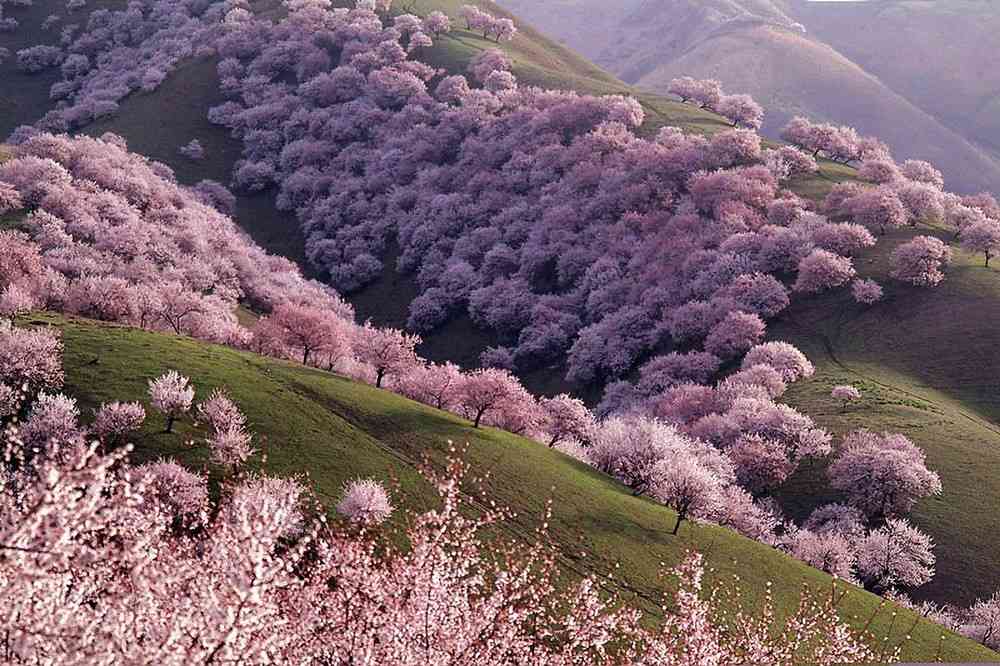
[114, 421]
[983, 237]
[390, 351]
[882, 475]
[895, 555]
[685, 486]
[365, 501]
[172, 395]
[706, 93]
[435, 385]
[783, 357]
[822, 270]
[486, 390]
[734, 335]
[566, 418]
[919, 262]
[741, 111]
[866, 292]
[183, 493]
[30, 357]
[845, 395]
[830, 552]
[311, 330]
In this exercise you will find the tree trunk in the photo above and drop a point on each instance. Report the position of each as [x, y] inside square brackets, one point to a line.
[677, 525]
[378, 378]
[170, 423]
[479, 417]
[305, 356]
[552, 442]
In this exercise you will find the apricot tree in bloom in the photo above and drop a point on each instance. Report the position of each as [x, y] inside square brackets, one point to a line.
[783, 357]
[920, 261]
[390, 351]
[882, 475]
[172, 395]
[487, 390]
[895, 555]
[741, 111]
[734, 335]
[183, 493]
[30, 357]
[432, 384]
[706, 93]
[114, 421]
[982, 622]
[866, 292]
[983, 237]
[566, 418]
[822, 270]
[845, 395]
[365, 501]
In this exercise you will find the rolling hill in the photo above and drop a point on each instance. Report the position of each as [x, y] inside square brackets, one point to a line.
[310, 422]
[877, 66]
[916, 379]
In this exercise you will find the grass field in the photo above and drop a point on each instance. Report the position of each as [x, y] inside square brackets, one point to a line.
[309, 422]
[925, 359]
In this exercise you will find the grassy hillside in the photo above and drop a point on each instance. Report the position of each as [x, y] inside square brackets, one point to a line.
[924, 357]
[314, 423]
[919, 75]
[926, 362]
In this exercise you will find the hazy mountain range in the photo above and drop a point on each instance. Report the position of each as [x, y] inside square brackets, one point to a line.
[922, 75]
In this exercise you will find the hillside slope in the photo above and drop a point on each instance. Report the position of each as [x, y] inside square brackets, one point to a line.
[760, 48]
[959, 521]
[311, 422]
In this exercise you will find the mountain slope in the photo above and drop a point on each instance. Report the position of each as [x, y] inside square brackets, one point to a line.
[960, 524]
[311, 422]
[759, 48]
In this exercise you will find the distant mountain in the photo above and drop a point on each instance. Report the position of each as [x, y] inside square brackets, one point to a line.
[923, 76]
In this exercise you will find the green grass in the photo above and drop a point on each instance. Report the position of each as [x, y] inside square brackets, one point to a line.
[926, 362]
[313, 423]
[925, 359]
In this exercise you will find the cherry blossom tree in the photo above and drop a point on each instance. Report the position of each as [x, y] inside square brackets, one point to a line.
[486, 390]
[566, 418]
[365, 501]
[172, 395]
[30, 357]
[114, 421]
[192, 150]
[866, 292]
[895, 555]
[920, 261]
[845, 395]
[390, 351]
[734, 335]
[791, 363]
[741, 111]
[883, 475]
[983, 237]
[822, 270]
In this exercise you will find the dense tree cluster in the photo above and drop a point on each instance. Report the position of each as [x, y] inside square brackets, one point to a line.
[540, 213]
[141, 564]
[110, 235]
